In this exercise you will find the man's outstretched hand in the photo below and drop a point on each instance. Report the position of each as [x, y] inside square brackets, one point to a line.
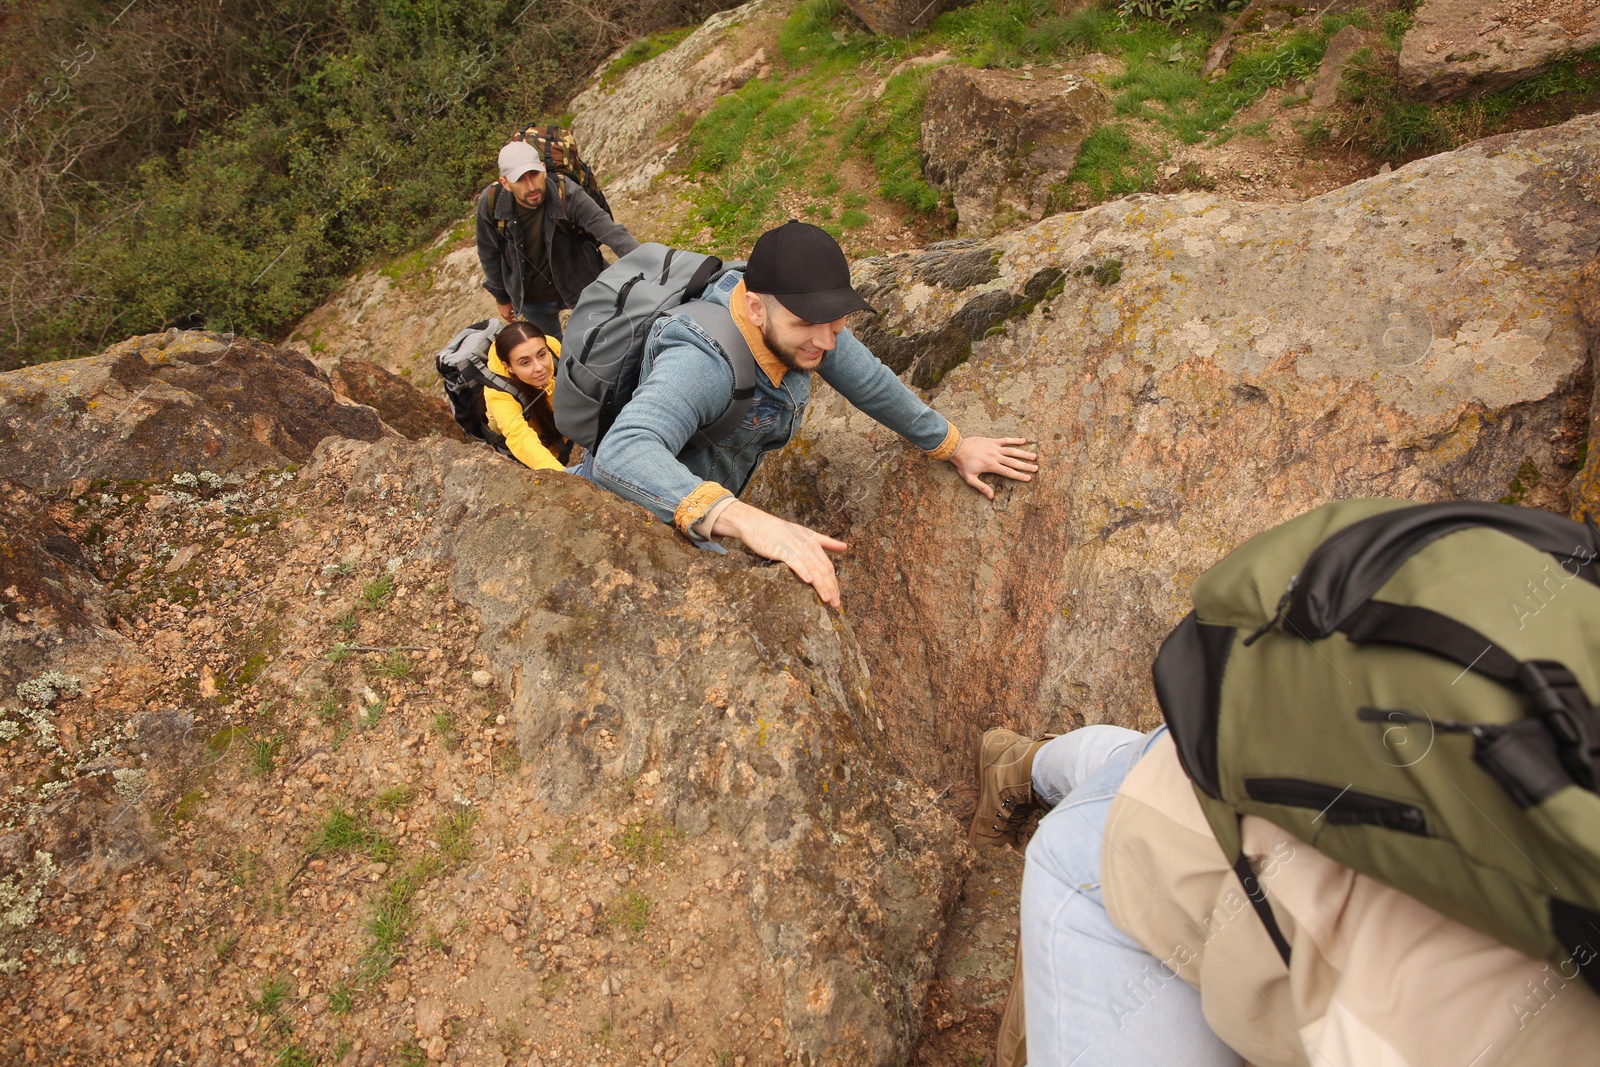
[975, 456]
[802, 550]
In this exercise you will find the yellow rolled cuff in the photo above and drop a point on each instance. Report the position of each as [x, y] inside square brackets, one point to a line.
[948, 446]
[693, 507]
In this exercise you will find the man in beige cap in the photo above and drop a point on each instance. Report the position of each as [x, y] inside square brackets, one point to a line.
[539, 238]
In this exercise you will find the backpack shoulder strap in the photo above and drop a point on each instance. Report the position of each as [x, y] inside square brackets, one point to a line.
[717, 321]
[494, 197]
[488, 378]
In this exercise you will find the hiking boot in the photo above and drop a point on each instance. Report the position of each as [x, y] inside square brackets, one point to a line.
[1005, 788]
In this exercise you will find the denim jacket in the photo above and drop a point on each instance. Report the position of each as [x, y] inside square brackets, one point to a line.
[648, 456]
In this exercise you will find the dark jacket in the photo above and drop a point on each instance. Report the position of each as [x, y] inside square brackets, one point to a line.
[574, 257]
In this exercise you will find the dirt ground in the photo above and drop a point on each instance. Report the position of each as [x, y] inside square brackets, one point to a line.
[330, 855]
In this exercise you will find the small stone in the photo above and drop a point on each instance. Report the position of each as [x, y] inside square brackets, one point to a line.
[697, 963]
[429, 1017]
[482, 679]
[436, 1048]
[549, 889]
[511, 934]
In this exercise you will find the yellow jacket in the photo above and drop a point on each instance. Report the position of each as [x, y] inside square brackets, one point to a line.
[505, 416]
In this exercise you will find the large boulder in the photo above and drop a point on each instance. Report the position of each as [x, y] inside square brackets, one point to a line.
[999, 140]
[724, 692]
[595, 775]
[413, 413]
[900, 18]
[162, 403]
[1585, 488]
[1194, 370]
[1462, 48]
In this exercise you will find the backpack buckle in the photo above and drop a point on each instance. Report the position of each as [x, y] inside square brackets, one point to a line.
[1568, 714]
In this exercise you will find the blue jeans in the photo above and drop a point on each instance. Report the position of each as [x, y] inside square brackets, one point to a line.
[545, 315]
[1093, 997]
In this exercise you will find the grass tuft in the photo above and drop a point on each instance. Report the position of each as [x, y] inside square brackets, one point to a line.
[344, 831]
[645, 841]
[1109, 165]
[373, 594]
[396, 665]
[631, 912]
[642, 51]
[444, 724]
[395, 797]
[264, 754]
[455, 835]
[273, 994]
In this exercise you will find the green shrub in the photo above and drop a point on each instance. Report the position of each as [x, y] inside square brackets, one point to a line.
[1165, 10]
[229, 171]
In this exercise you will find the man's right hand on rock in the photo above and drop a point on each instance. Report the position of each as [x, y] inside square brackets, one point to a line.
[506, 312]
[802, 550]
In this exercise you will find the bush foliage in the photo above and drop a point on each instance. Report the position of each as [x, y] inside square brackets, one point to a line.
[224, 165]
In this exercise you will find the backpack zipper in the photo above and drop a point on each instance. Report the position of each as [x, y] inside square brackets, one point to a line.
[1481, 730]
[1283, 606]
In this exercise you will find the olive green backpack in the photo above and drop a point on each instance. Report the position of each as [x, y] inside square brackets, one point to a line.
[1411, 690]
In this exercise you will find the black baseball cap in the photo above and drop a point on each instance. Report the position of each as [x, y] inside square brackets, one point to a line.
[804, 269]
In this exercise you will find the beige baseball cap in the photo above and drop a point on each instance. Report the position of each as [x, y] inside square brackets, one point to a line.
[517, 159]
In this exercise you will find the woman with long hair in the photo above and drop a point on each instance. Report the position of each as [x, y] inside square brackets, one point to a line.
[523, 352]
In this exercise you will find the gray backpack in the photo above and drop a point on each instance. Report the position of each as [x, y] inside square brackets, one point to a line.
[609, 327]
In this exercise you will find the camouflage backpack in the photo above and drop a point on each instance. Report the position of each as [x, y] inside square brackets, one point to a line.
[560, 154]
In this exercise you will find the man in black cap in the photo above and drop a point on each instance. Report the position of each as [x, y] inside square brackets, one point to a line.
[790, 305]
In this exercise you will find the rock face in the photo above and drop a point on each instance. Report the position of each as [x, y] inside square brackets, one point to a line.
[1462, 48]
[49, 607]
[1194, 371]
[163, 403]
[1585, 488]
[414, 413]
[727, 689]
[402, 324]
[708, 706]
[619, 126]
[1341, 49]
[900, 18]
[999, 140]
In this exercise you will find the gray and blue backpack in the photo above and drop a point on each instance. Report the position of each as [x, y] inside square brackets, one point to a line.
[611, 324]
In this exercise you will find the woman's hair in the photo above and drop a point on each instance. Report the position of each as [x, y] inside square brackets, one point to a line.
[514, 334]
[539, 413]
